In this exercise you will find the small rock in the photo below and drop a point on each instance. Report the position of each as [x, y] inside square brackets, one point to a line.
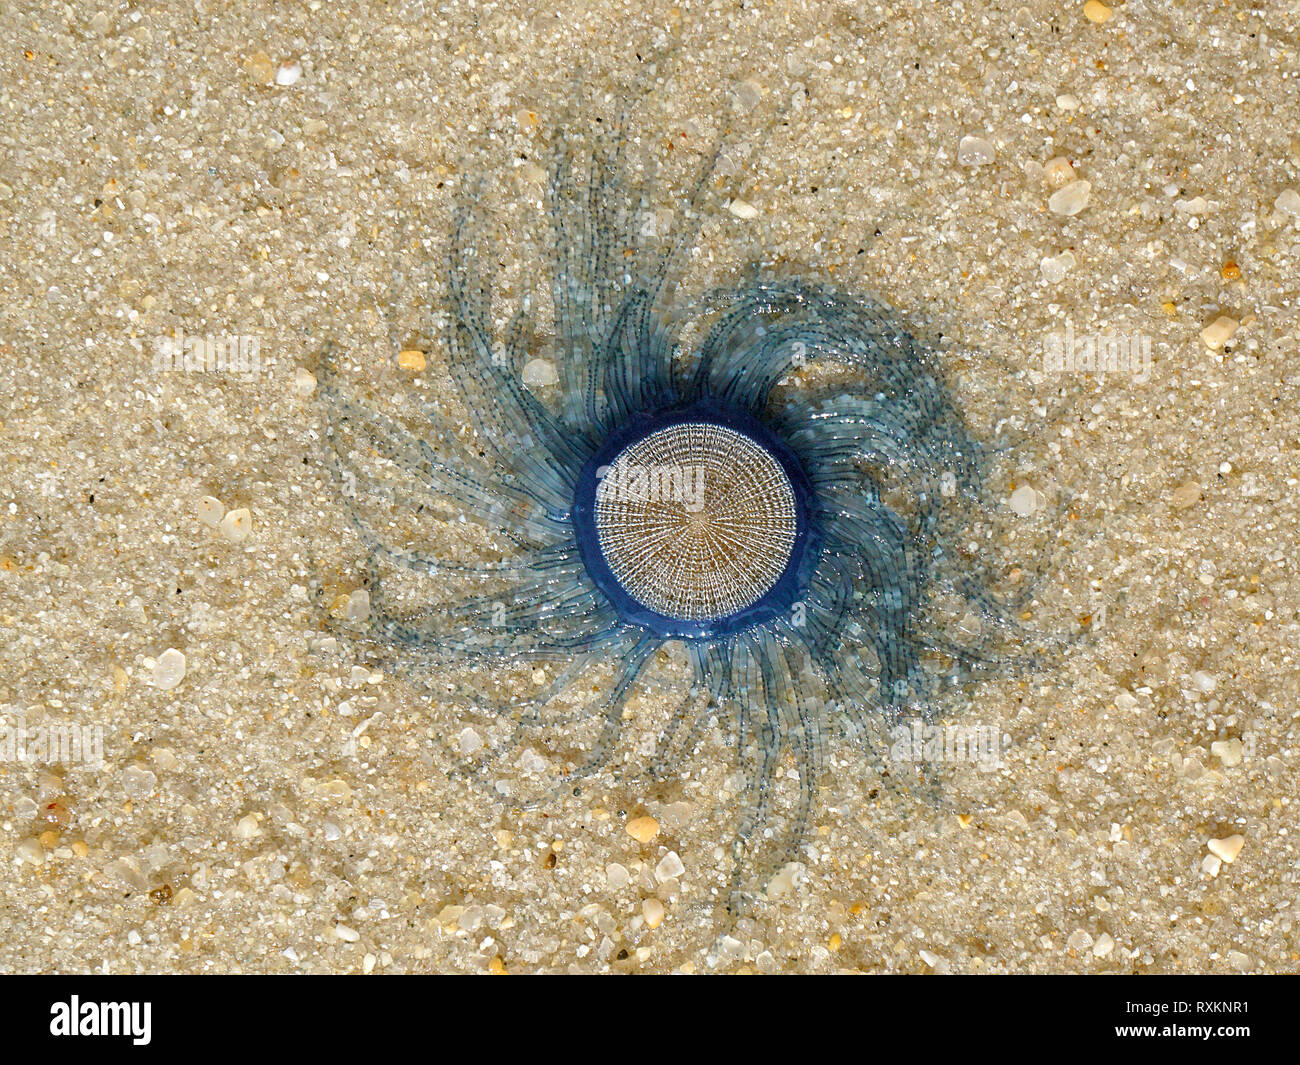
[358, 609]
[288, 74]
[1210, 865]
[304, 382]
[1067, 101]
[616, 876]
[669, 868]
[29, 852]
[1071, 199]
[164, 758]
[169, 670]
[469, 741]
[127, 870]
[1226, 849]
[1096, 11]
[1288, 203]
[741, 209]
[138, 782]
[1079, 940]
[210, 511]
[236, 525]
[653, 911]
[346, 933]
[540, 373]
[1024, 501]
[411, 359]
[643, 829]
[974, 151]
[1104, 945]
[1054, 268]
[260, 68]
[1218, 332]
[1187, 494]
[247, 828]
[1205, 682]
[787, 879]
[1227, 751]
[749, 93]
[532, 762]
[1058, 172]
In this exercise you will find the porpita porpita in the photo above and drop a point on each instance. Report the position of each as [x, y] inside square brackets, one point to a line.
[668, 491]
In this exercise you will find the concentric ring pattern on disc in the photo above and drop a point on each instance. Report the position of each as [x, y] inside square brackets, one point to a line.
[696, 521]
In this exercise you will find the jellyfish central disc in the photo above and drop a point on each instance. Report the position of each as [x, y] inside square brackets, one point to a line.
[696, 521]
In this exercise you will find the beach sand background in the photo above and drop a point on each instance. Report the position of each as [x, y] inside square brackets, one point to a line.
[260, 170]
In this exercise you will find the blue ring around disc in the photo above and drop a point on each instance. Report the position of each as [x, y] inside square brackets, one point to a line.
[777, 600]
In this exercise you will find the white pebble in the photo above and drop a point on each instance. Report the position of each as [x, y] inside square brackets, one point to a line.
[1079, 940]
[616, 875]
[1210, 865]
[236, 525]
[30, 852]
[653, 911]
[1218, 332]
[669, 868]
[1227, 848]
[469, 741]
[169, 670]
[1067, 101]
[358, 606]
[974, 151]
[1058, 172]
[790, 876]
[1205, 682]
[1055, 267]
[539, 373]
[532, 762]
[210, 511]
[288, 74]
[741, 209]
[749, 93]
[347, 934]
[1227, 751]
[1288, 202]
[138, 782]
[304, 382]
[1104, 945]
[1071, 199]
[247, 827]
[1024, 501]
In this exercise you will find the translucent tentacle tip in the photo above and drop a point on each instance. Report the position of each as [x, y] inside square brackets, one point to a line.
[649, 490]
